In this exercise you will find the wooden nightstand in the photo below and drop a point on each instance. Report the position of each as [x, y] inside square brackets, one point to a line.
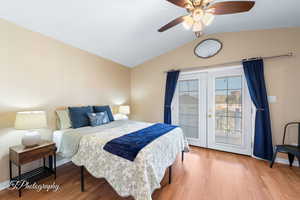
[20, 155]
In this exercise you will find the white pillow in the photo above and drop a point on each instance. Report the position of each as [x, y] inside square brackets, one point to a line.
[64, 119]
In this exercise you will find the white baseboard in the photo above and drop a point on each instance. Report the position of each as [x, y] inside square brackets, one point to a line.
[5, 184]
[62, 161]
[286, 161]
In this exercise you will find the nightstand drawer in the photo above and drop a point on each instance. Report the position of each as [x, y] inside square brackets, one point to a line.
[36, 154]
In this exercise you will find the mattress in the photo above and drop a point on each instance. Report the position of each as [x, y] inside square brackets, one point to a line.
[67, 140]
[58, 135]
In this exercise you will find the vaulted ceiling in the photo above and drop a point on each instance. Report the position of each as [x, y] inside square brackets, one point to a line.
[125, 31]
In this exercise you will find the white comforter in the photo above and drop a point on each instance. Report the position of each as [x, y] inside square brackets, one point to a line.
[138, 178]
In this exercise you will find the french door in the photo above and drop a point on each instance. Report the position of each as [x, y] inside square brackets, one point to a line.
[189, 107]
[214, 109]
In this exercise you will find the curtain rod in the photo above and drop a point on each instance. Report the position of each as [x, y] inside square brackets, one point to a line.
[232, 63]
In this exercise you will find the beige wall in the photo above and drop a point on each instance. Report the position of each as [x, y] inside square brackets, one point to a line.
[282, 75]
[39, 73]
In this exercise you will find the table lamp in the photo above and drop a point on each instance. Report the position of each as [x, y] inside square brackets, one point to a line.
[122, 114]
[31, 121]
[124, 110]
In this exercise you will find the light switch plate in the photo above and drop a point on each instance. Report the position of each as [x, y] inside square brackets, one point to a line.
[272, 99]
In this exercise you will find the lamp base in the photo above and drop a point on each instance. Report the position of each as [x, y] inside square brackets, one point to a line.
[31, 139]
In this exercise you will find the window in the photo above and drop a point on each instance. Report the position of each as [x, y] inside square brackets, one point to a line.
[228, 110]
[189, 107]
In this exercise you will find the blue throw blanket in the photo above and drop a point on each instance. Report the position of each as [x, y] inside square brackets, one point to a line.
[129, 145]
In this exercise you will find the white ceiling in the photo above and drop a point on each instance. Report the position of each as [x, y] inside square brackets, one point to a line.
[125, 31]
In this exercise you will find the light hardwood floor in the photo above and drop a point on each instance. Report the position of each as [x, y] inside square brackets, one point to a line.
[204, 175]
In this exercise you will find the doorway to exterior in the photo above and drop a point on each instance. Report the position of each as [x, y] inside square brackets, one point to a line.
[213, 107]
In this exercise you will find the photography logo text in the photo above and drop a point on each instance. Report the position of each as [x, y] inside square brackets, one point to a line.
[22, 184]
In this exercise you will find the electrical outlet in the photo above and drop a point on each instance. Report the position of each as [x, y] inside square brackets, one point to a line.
[272, 99]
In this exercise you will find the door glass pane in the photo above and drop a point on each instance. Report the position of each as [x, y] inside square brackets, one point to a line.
[234, 96]
[189, 107]
[221, 102]
[228, 110]
[183, 86]
[221, 110]
[221, 83]
[193, 86]
[221, 96]
[221, 124]
[235, 110]
[235, 82]
[234, 124]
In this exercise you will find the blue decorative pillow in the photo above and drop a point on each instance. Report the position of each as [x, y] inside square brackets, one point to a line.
[97, 119]
[103, 109]
[79, 116]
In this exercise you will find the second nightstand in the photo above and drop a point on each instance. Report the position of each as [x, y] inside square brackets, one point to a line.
[20, 155]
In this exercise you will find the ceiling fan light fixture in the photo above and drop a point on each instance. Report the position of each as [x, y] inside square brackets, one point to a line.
[198, 34]
[197, 27]
[208, 18]
[188, 22]
[189, 6]
[198, 14]
[197, 2]
[201, 13]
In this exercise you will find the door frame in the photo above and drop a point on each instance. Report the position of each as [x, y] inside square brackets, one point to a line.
[205, 123]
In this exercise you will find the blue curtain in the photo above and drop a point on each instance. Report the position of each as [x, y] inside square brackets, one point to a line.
[254, 72]
[172, 78]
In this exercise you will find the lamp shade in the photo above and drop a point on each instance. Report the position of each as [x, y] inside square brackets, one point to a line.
[124, 110]
[31, 120]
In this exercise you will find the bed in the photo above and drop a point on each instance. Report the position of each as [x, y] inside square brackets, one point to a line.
[138, 178]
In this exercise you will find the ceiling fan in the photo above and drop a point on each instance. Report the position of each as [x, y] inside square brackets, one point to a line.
[201, 13]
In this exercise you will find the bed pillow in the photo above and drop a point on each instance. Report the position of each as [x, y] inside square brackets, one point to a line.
[98, 109]
[79, 116]
[97, 119]
[64, 121]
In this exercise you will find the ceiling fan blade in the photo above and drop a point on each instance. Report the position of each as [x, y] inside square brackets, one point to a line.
[230, 7]
[172, 23]
[180, 3]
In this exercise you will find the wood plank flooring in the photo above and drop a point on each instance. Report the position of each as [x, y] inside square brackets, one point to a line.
[204, 175]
